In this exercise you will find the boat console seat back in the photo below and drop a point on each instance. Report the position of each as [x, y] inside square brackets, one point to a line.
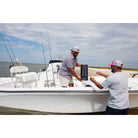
[84, 72]
[18, 69]
[20, 74]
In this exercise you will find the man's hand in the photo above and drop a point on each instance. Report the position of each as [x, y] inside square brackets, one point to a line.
[99, 73]
[79, 78]
[92, 79]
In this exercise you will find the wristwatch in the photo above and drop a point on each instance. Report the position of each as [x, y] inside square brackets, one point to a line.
[93, 80]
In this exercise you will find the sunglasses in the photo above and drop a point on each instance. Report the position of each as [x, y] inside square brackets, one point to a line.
[112, 66]
[76, 52]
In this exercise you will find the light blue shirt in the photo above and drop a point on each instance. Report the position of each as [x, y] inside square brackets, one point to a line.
[118, 89]
[69, 62]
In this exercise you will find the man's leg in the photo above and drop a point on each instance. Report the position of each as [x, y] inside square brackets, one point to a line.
[64, 82]
[112, 111]
[125, 111]
[71, 84]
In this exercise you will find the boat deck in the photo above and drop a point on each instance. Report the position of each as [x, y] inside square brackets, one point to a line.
[6, 83]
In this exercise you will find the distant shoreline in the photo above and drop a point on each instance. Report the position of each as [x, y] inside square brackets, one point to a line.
[22, 62]
[92, 71]
[131, 69]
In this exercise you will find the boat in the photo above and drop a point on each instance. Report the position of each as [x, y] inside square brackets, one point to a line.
[42, 92]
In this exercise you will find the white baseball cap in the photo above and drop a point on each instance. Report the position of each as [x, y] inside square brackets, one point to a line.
[75, 49]
[116, 63]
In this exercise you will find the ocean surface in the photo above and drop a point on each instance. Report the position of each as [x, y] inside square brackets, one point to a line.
[5, 72]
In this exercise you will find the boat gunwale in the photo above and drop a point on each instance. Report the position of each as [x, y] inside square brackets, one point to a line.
[64, 91]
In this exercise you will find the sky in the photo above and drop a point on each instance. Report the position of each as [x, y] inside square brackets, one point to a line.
[99, 43]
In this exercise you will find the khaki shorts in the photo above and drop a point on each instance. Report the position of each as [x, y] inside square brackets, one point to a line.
[64, 82]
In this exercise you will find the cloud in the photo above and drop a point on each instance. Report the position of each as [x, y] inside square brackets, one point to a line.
[23, 47]
[97, 41]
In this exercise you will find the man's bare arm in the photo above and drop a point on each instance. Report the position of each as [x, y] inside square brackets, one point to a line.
[74, 74]
[96, 83]
[102, 74]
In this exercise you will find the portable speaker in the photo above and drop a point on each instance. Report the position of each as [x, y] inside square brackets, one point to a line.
[84, 72]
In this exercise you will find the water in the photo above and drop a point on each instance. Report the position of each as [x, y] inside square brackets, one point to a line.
[15, 111]
[5, 72]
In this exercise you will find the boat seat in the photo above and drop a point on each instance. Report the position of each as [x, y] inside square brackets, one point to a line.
[20, 74]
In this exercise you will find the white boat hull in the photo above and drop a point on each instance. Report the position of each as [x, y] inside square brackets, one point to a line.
[56, 101]
[49, 96]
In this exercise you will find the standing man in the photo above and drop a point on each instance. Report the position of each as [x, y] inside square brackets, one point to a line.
[67, 68]
[118, 102]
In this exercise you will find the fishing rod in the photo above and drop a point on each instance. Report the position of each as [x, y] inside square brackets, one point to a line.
[7, 49]
[50, 55]
[9, 44]
[44, 57]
